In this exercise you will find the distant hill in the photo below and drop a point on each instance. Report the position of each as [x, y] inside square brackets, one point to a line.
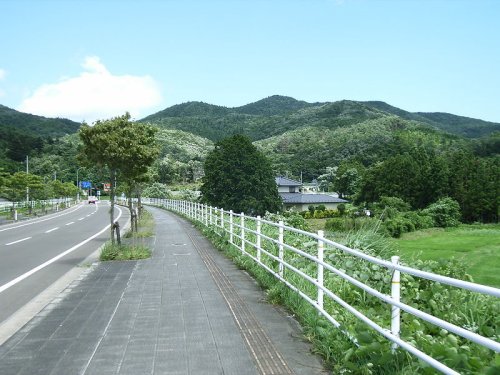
[276, 115]
[36, 125]
[275, 105]
[22, 134]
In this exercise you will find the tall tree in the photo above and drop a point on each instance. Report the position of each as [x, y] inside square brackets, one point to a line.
[124, 148]
[239, 177]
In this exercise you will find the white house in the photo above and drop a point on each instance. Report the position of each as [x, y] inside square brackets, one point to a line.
[293, 198]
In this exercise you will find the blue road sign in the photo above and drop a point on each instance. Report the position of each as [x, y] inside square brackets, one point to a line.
[85, 184]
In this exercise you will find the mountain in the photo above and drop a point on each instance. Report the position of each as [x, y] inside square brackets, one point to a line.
[22, 134]
[276, 115]
[35, 125]
[464, 126]
[275, 105]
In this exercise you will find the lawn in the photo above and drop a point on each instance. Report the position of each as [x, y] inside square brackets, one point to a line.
[478, 246]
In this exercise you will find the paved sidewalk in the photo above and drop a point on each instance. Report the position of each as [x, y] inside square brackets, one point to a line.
[187, 310]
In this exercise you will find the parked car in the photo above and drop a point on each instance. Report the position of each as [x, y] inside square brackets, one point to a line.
[92, 199]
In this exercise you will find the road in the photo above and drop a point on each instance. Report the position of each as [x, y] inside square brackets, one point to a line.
[36, 253]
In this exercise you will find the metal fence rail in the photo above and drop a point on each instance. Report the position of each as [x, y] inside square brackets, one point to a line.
[246, 234]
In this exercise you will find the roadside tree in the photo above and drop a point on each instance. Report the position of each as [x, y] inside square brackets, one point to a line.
[240, 178]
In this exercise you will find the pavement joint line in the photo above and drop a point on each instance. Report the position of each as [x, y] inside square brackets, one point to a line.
[266, 355]
[96, 347]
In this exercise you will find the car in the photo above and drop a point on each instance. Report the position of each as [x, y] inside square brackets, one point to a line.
[92, 199]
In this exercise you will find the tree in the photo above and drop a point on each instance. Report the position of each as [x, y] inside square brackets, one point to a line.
[240, 178]
[125, 148]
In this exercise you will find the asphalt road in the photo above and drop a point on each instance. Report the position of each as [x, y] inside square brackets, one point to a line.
[36, 253]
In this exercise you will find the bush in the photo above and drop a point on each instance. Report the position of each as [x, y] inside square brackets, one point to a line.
[336, 224]
[445, 212]
[341, 208]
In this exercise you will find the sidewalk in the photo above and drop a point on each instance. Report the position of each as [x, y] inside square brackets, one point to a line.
[187, 310]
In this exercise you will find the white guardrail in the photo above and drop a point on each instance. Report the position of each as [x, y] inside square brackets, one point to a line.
[246, 231]
[55, 202]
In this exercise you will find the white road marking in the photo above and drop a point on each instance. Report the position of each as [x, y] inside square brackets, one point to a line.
[72, 222]
[50, 261]
[51, 230]
[21, 240]
[81, 218]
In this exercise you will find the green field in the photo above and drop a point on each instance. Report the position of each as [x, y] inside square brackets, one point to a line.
[478, 246]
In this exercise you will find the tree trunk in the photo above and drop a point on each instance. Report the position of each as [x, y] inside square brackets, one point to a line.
[112, 208]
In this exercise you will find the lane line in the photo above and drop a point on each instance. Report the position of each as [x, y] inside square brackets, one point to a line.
[51, 230]
[21, 240]
[50, 261]
[81, 218]
[72, 222]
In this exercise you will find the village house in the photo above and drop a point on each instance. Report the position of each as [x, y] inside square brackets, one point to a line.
[294, 199]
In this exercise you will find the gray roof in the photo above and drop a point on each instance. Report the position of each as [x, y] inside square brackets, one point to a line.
[310, 198]
[283, 181]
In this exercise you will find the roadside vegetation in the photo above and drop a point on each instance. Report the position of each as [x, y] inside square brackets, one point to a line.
[135, 244]
[372, 353]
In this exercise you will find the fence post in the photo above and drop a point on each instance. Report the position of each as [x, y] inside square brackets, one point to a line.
[242, 223]
[222, 219]
[321, 249]
[230, 226]
[15, 215]
[280, 244]
[257, 243]
[206, 215]
[395, 294]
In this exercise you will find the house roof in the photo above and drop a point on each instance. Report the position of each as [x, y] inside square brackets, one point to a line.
[283, 181]
[310, 198]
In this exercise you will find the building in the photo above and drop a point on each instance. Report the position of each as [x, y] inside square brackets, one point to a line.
[293, 198]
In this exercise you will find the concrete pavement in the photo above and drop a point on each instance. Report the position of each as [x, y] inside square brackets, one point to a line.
[187, 310]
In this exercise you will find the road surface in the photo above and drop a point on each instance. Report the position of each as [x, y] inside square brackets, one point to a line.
[36, 253]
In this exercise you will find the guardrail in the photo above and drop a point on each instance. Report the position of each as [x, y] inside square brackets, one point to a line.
[279, 258]
[31, 206]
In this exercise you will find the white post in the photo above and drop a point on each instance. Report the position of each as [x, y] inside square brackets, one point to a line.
[280, 244]
[257, 244]
[206, 215]
[320, 268]
[230, 226]
[222, 218]
[210, 215]
[15, 215]
[242, 223]
[395, 294]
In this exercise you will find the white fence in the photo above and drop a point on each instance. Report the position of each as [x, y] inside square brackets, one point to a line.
[246, 233]
[53, 204]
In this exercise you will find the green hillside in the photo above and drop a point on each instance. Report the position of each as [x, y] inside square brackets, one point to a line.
[22, 135]
[276, 115]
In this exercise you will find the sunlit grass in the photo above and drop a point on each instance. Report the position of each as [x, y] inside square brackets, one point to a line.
[477, 246]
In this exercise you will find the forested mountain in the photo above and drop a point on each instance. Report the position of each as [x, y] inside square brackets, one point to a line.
[276, 115]
[362, 150]
[22, 134]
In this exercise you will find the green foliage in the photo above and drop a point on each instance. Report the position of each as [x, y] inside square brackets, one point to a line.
[445, 212]
[157, 190]
[124, 252]
[239, 177]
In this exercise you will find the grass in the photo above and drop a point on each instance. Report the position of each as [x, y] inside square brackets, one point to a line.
[124, 252]
[133, 248]
[478, 246]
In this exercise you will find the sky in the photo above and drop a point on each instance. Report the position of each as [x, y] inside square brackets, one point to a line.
[96, 59]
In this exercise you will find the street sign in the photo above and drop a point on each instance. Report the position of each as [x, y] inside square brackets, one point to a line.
[85, 184]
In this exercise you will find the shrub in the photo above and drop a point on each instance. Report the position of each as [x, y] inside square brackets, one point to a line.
[445, 212]
[336, 224]
[341, 208]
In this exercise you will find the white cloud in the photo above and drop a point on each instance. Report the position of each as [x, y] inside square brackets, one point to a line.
[94, 94]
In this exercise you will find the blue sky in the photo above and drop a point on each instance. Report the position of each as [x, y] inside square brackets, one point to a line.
[96, 59]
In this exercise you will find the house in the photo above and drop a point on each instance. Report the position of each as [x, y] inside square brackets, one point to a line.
[293, 198]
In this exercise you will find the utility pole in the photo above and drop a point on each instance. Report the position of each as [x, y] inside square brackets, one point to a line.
[27, 187]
